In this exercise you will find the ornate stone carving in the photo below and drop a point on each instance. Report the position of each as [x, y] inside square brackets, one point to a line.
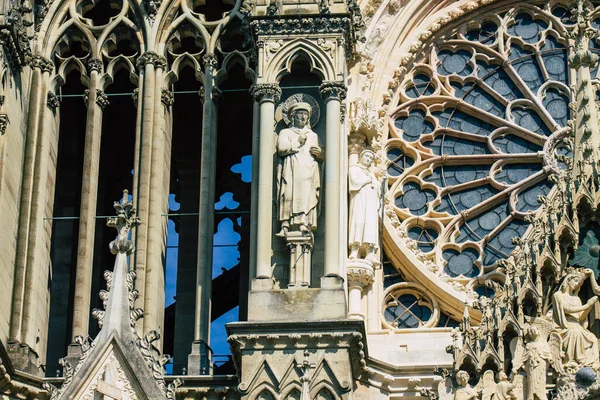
[52, 101]
[210, 60]
[41, 63]
[167, 97]
[14, 38]
[152, 7]
[102, 99]
[151, 57]
[135, 95]
[3, 123]
[333, 90]
[360, 275]
[298, 175]
[95, 64]
[123, 223]
[266, 92]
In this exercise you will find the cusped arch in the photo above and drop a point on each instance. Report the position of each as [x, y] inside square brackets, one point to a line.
[181, 62]
[65, 68]
[117, 64]
[235, 58]
[319, 62]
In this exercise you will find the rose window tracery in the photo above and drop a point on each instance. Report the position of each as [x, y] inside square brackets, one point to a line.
[482, 122]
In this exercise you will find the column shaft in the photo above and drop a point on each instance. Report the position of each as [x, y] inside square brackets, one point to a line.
[87, 215]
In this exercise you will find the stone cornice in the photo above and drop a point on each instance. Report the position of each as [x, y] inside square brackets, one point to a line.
[341, 24]
[266, 92]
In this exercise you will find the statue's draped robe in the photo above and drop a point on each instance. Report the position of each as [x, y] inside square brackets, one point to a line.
[364, 201]
[537, 354]
[299, 182]
[578, 344]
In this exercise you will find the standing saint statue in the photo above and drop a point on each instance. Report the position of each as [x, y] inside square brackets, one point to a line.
[364, 205]
[299, 182]
[535, 361]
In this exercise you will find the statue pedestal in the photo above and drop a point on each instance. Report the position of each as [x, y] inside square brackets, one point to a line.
[360, 275]
[300, 246]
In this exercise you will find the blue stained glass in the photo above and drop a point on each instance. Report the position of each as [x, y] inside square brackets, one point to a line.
[408, 313]
[485, 35]
[461, 263]
[476, 228]
[564, 14]
[527, 199]
[415, 199]
[454, 63]
[414, 125]
[531, 121]
[501, 245]
[425, 237]
[556, 61]
[596, 23]
[527, 67]
[479, 98]
[454, 203]
[421, 86]
[527, 28]
[558, 106]
[485, 291]
[515, 173]
[462, 122]
[512, 144]
[497, 79]
[399, 161]
[453, 146]
[444, 176]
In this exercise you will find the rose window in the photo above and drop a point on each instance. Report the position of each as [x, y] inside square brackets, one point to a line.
[481, 124]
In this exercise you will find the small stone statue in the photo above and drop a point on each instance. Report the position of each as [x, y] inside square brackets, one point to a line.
[574, 345]
[503, 390]
[299, 182]
[364, 205]
[464, 391]
[535, 358]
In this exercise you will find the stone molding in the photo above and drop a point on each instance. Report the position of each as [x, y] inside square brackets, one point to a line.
[151, 57]
[333, 90]
[266, 92]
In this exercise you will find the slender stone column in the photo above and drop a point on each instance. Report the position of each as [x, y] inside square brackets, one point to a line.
[197, 361]
[40, 66]
[146, 64]
[96, 100]
[266, 94]
[156, 230]
[333, 93]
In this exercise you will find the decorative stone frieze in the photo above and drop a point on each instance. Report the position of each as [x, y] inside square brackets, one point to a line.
[333, 90]
[151, 57]
[52, 101]
[266, 92]
[167, 97]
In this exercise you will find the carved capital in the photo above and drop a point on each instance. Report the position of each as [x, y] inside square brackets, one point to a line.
[3, 123]
[333, 90]
[166, 96]
[151, 57]
[360, 274]
[95, 64]
[210, 60]
[52, 101]
[266, 92]
[41, 63]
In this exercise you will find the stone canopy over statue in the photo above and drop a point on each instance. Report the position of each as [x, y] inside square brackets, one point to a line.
[298, 175]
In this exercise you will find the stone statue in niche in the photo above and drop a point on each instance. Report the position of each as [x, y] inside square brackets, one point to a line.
[363, 221]
[572, 345]
[299, 182]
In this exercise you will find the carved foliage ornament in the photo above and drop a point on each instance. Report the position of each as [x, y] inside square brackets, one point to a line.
[266, 92]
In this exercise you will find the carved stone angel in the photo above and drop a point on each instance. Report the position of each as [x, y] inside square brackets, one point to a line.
[446, 390]
[534, 358]
[503, 390]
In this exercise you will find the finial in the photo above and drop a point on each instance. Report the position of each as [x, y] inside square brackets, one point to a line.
[123, 222]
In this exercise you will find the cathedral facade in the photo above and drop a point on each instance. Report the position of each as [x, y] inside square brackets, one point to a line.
[299, 199]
